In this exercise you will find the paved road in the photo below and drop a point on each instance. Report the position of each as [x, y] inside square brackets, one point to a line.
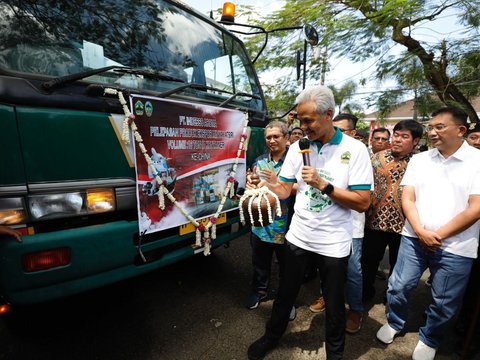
[193, 310]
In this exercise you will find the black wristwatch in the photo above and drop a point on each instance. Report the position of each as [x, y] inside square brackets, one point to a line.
[328, 189]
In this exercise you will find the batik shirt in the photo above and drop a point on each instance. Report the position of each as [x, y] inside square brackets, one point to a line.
[385, 212]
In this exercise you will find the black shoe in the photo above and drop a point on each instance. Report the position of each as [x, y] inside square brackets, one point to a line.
[260, 348]
[368, 294]
[254, 300]
[380, 275]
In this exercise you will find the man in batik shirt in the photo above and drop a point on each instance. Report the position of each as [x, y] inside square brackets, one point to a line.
[384, 219]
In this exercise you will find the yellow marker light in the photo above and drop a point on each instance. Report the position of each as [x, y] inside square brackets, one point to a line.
[12, 211]
[100, 200]
[228, 13]
[9, 217]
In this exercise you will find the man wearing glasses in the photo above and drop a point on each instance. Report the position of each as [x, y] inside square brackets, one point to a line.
[384, 219]
[441, 201]
[380, 140]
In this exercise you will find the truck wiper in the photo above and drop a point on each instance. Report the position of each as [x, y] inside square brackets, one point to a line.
[67, 79]
[152, 74]
[205, 88]
[239, 94]
[97, 90]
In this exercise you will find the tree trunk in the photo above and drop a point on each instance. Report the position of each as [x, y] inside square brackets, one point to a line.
[435, 73]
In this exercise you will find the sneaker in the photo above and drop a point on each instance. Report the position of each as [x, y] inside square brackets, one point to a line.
[354, 321]
[386, 334]
[423, 352]
[254, 300]
[318, 305]
[293, 314]
[260, 348]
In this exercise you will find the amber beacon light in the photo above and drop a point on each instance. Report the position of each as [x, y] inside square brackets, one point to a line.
[228, 13]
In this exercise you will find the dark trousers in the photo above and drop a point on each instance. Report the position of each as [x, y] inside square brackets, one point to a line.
[262, 253]
[374, 244]
[333, 273]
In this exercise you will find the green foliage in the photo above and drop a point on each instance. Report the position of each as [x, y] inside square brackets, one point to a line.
[280, 97]
[391, 32]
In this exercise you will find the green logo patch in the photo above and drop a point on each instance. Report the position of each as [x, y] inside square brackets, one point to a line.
[345, 157]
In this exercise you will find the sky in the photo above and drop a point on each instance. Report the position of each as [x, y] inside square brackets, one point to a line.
[342, 70]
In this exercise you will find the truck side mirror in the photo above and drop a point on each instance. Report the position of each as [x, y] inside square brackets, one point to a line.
[311, 35]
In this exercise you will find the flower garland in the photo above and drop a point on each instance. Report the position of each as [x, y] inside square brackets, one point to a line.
[229, 191]
[258, 195]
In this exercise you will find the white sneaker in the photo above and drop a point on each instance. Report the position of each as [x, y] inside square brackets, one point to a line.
[423, 352]
[293, 314]
[386, 334]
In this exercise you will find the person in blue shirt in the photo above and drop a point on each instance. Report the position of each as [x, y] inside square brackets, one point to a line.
[268, 239]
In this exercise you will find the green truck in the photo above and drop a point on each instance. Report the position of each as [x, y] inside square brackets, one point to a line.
[67, 181]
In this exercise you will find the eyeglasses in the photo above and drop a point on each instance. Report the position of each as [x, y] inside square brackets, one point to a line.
[274, 137]
[437, 128]
[377, 138]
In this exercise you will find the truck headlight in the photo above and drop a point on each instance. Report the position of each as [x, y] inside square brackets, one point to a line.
[91, 201]
[56, 205]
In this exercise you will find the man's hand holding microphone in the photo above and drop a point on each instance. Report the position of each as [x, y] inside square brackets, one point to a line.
[309, 173]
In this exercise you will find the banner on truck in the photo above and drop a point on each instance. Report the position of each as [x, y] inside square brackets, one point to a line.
[193, 148]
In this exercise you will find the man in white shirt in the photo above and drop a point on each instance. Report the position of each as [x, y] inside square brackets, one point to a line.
[441, 201]
[338, 180]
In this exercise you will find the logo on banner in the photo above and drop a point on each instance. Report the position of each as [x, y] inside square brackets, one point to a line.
[148, 108]
[139, 108]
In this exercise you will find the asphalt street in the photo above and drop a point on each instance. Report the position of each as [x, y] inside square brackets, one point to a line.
[193, 310]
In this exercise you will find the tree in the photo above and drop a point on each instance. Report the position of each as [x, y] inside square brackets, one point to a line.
[364, 29]
[343, 96]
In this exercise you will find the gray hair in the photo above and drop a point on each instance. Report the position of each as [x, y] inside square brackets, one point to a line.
[277, 124]
[321, 95]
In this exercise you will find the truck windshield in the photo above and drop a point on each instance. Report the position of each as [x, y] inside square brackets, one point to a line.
[51, 39]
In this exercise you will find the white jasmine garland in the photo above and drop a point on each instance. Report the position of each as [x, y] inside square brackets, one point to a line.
[206, 250]
[269, 209]
[258, 194]
[129, 123]
[250, 212]
[259, 207]
[240, 209]
[198, 238]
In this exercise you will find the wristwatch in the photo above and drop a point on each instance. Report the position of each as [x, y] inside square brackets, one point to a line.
[328, 189]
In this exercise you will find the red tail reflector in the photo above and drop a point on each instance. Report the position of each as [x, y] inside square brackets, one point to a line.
[46, 259]
[4, 308]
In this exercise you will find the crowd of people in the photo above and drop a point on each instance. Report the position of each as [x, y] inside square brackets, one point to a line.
[349, 202]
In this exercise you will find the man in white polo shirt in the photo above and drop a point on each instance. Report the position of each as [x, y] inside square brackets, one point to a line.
[338, 180]
[441, 201]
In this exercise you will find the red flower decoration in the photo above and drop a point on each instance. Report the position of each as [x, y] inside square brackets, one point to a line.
[213, 220]
[131, 117]
[244, 136]
[201, 227]
[231, 179]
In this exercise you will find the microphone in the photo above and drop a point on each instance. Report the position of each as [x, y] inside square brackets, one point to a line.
[304, 145]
